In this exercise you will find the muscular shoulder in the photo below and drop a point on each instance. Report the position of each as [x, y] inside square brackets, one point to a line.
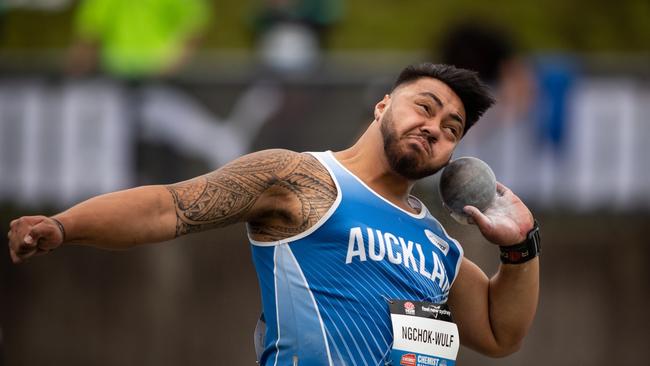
[268, 168]
[300, 197]
[266, 165]
[279, 192]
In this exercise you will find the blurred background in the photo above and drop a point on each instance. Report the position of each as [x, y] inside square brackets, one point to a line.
[101, 95]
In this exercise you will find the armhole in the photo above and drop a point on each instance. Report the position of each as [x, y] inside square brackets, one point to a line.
[319, 223]
[461, 252]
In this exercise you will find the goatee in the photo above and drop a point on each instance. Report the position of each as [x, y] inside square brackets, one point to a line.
[406, 164]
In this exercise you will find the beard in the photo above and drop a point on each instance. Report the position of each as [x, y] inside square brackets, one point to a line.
[408, 164]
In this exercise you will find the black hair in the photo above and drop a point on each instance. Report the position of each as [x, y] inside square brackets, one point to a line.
[473, 93]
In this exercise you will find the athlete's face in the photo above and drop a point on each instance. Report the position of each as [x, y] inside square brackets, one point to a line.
[421, 124]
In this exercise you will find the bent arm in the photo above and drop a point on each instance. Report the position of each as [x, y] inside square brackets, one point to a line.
[494, 314]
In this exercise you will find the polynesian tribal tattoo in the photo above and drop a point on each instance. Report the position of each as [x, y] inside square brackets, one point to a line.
[298, 191]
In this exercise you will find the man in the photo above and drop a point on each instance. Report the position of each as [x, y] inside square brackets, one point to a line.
[133, 40]
[336, 237]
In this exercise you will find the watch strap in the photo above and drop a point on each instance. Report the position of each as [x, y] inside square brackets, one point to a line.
[530, 248]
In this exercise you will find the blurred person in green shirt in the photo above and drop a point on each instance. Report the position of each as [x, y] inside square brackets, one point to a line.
[136, 39]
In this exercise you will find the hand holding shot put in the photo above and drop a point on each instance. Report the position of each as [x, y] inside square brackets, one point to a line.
[469, 190]
[506, 221]
[335, 232]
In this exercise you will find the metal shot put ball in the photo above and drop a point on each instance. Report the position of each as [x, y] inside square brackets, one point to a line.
[467, 181]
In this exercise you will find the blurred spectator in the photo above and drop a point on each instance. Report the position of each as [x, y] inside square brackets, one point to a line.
[136, 39]
[505, 134]
[317, 15]
[528, 125]
[290, 34]
[527, 91]
[491, 51]
[556, 76]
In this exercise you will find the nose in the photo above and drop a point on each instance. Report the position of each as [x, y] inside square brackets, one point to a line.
[432, 129]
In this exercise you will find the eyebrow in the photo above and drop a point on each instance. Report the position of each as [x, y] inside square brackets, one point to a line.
[435, 98]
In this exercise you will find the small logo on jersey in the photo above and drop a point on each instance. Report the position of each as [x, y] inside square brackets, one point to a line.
[409, 308]
[433, 309]
[408, 359]
[436, 310]
[437, 241]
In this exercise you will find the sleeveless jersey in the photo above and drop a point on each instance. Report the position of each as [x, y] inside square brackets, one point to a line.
[325, 291]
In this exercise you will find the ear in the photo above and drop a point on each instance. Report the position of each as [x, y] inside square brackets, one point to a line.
[381, 107]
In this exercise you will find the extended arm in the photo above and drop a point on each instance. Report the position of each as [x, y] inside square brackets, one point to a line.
[247, 189]
[118, 220]
[494, 314]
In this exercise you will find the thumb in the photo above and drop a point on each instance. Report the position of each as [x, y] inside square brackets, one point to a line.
[45, 235]
[481, 220]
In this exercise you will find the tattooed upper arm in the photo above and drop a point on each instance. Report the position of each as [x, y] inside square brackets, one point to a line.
[277, 191]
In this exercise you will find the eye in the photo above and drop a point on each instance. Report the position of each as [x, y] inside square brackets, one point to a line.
[453, 130]
[424, 107]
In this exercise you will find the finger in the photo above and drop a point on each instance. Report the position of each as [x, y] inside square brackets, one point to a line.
[24, 249]
[482, 221]
[22, 245]
[22, 254]
[45, 235]
[29, 240]
[26, 221]
[12, 229]
[501, 189]
[14, 257]
[41, 230]
[13, 243]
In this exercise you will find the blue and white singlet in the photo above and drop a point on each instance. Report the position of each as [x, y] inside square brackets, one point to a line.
[325, 291]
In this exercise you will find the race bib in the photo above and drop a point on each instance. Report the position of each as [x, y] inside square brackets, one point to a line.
[424, 334]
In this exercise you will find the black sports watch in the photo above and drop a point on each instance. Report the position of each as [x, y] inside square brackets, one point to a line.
[524, 251]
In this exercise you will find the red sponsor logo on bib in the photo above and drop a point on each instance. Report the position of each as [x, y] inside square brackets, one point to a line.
[408, 360]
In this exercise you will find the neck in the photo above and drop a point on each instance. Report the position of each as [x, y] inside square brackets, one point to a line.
[366, 159]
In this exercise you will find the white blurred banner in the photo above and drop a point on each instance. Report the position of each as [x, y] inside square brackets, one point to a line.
[60, 143]
[603, 162]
